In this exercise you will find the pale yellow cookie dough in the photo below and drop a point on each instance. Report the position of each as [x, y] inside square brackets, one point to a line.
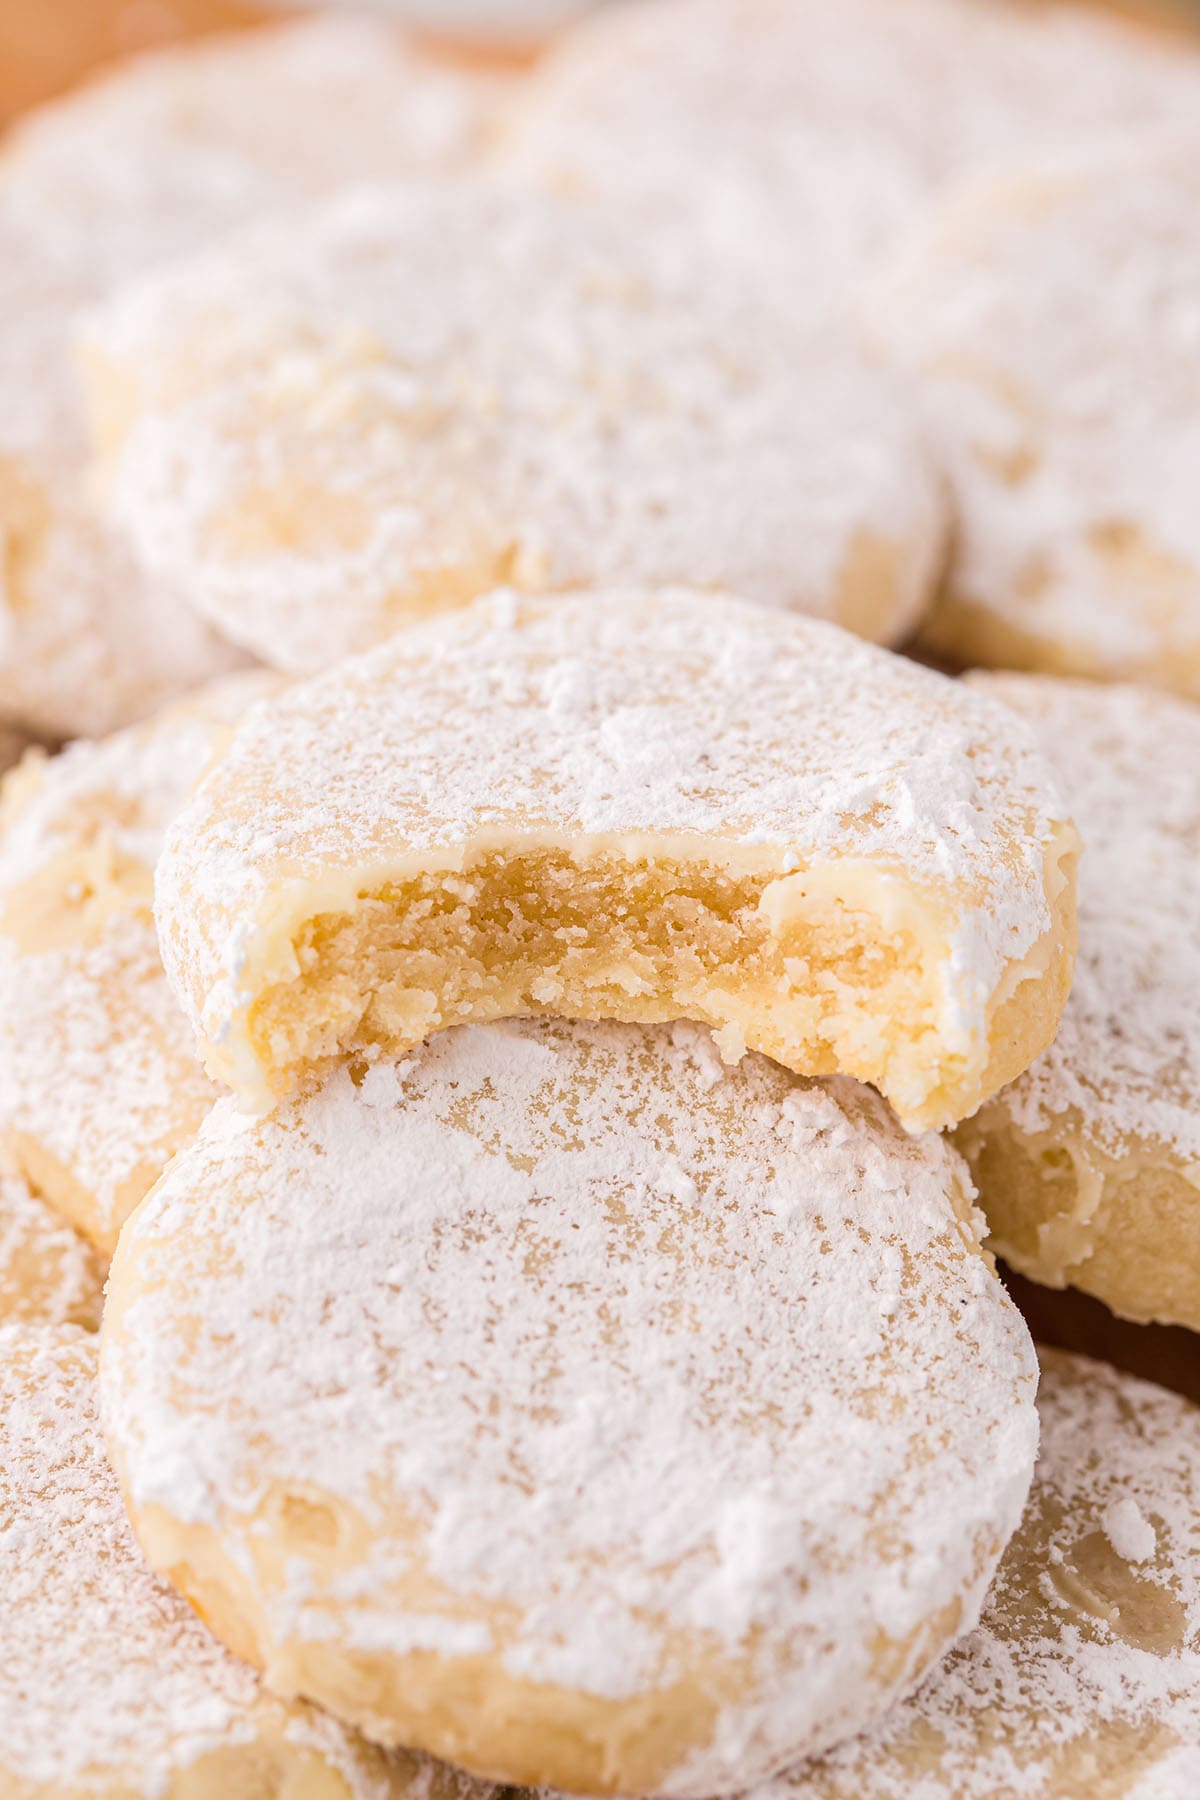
[336, 425]
[1089, 1165]
[1047, 317]
[638, 805]
[48, 1274]
[100, 1082]
[110, 1686]
[1082, 1681]
[567, 1404]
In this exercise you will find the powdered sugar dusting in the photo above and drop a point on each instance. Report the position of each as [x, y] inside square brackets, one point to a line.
[640, 715]
[1052, 318]
[1127, 1054]
[815, 134]
[48, 1275]
[427, 1296]
[343, 423]
[1087, 1658]
[109, 1681]
[164, 155]
[98, 1067]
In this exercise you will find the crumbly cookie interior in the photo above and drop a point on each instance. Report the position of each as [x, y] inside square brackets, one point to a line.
[812, 978]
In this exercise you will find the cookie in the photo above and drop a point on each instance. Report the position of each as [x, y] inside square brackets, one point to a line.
[1089, 1165]
[1062, 404]
[110, 1684]
[48, 1274]
[805, 138]
[638, 805]
[99, 1079]
[166, 154]
[331, 429]
[1083, 1677]
[564, 1403]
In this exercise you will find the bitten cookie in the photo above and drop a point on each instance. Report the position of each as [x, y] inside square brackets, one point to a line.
[1089, 1165]
[100, 1082]
[1083, 1677]
[1048, 317]
[565, 1403]
[48, 1274]
[109, 1685]
[637, 805]
[332, 427]
[803, 138]
[162, 156]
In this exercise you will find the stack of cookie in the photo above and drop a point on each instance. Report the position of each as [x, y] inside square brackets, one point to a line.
[539, 1012]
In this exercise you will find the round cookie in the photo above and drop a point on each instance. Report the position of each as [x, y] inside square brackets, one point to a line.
[334, 430]
[99, 1079]
[1062, 402]
[1089, 1164]
[163, 156]
[569, 1405]
[48, 1274]
[803, 137]
[635, 805]
[1083, 1677]
[111, 1688]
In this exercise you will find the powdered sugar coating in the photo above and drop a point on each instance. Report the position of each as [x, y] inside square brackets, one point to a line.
[1127, 1054]
[156, 159]
[99, 1076]
[87, 641]
[110, 1683]
[48, 1274]
[1083, 1676]
[636, 718]
[622, 1372]
[1051, 317]
[334, 427]
[805, 137]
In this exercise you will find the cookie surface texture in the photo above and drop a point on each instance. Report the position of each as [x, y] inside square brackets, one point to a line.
[1089, 1164]
[166, 154]
[335, 426]
[1083, 1676]
[814, 135]
[568, 1405]
[100, 1082]
[638, 805]
[1062, 406]
[111, 1687]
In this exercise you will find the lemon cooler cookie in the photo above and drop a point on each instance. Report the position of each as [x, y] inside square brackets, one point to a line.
[48, 1274]
[1083, 1677]
[1089, 1164]
[1063, 405]
[99, 1078]
[637, 805]
[167, 153]
[565, 1403]
[110, 1686]
[333, 426]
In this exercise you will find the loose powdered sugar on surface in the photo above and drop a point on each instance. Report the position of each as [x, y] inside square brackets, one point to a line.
[812, 135]
[1052, 319]
[1083, 1677]
[1127, 1054]
[656, 1358]
[333, 416]
[108, 1677]
[97, 1064]
[639, 715]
